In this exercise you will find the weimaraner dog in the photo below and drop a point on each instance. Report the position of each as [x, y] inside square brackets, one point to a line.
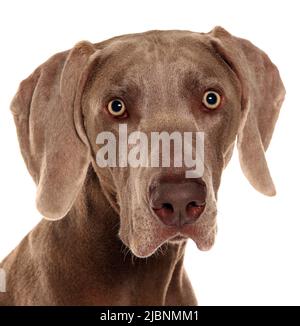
[116, 235]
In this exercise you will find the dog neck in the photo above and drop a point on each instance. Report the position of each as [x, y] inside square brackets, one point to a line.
[119, 277]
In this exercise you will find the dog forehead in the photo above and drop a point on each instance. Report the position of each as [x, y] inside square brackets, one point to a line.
[158, 47]
[157, 55]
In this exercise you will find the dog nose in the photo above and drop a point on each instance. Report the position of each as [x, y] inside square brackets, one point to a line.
[178, 203]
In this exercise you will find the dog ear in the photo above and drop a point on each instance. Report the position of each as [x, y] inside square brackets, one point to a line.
[262, 95]
[47, 115]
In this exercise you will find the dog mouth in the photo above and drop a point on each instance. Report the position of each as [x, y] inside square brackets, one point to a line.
[179, 234]
[202, 233]
[144, 244]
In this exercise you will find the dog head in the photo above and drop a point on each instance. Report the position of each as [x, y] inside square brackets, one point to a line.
[110, 105]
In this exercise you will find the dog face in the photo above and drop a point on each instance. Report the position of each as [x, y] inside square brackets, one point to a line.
[160, 81]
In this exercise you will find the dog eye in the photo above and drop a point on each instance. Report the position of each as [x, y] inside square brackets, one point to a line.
[116, 107]
[211, 100]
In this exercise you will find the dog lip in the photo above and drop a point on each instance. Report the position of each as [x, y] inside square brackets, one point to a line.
[178, 237]
[187, 231]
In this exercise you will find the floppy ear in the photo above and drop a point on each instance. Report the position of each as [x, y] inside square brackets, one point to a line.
[47, 114]
[262, 95]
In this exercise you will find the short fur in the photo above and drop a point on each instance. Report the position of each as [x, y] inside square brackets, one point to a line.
[78, 255]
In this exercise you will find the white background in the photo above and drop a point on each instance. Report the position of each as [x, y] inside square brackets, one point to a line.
[255, 260]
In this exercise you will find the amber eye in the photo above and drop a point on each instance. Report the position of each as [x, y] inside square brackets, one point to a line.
[116, 107]
[211, 100]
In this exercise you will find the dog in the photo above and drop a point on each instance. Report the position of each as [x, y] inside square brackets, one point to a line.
[116, 235]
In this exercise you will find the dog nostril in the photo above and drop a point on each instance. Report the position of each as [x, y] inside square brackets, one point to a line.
[193, 203]
[194, 209]
[168, 207]
[166, 210]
